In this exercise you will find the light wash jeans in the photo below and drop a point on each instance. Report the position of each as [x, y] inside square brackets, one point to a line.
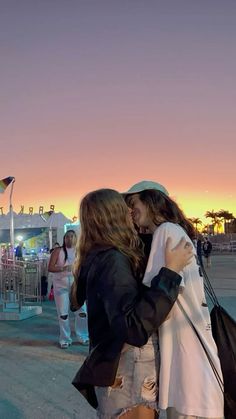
[61, 288]
[135, 383]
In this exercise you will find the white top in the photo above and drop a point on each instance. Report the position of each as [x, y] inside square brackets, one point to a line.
[187, 381]
[60, 279]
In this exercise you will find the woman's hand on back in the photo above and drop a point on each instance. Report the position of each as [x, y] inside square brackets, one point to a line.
[178, 257]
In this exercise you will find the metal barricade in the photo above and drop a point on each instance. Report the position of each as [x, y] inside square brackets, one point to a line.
[233, 245]
[20, 284]
[229, 246]
[32, 282]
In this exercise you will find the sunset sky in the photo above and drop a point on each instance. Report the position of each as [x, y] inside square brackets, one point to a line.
[107, 93]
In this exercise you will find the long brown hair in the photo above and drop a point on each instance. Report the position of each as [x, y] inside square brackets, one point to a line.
[105, 221]
[160, 206]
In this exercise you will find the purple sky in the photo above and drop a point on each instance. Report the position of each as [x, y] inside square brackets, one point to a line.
[106, 93]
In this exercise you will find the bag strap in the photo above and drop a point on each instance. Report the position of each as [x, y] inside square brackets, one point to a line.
[218, 378]
[207, 285]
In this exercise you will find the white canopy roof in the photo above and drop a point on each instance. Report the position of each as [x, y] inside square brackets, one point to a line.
[57, 220]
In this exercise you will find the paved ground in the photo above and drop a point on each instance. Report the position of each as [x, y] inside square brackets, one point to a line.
[35, 374]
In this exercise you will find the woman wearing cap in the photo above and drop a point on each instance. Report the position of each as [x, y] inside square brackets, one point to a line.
[188, 387]
[118, 376]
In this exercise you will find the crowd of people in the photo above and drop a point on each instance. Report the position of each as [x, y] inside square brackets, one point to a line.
[132, 280]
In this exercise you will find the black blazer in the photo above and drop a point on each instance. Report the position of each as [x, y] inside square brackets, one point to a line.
[120, 310]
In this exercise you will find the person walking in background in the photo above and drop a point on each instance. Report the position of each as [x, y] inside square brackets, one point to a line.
[207, 249]
[118, 378]
[60, 264]
[54, 247]
[199, 249]
[188, 387]
[50, 292]
[44, 279]
[19, 251]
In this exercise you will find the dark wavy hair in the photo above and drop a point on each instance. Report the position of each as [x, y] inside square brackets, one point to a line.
[64, 242]
[160, 206]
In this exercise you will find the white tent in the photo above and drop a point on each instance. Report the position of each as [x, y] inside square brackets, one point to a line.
[57, 220]
[33, 222]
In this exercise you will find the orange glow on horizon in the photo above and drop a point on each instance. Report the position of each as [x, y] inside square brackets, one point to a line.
[192, 205]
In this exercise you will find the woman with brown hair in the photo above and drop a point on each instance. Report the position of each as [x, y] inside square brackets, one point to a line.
[188, 387]
[119, 375]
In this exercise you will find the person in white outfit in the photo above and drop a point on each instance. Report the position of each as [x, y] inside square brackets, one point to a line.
[188, 387]
[60, 263]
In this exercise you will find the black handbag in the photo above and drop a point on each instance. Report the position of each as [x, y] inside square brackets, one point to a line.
[224, 334]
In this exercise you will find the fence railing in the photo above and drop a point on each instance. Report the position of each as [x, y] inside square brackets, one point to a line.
[225, 246]
[20, 284]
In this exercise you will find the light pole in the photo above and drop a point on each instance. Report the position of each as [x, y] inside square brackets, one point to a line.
[12, 240]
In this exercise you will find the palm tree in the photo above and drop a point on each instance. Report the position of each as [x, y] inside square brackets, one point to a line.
[205, 229]
[225, 216]
[195, 222]
[213, 215]
[217, 224]
[232, 226]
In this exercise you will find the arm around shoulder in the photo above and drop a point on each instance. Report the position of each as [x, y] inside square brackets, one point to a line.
[134, 314]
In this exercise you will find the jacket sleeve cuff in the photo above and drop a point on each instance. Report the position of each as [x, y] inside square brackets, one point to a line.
[167, 283]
